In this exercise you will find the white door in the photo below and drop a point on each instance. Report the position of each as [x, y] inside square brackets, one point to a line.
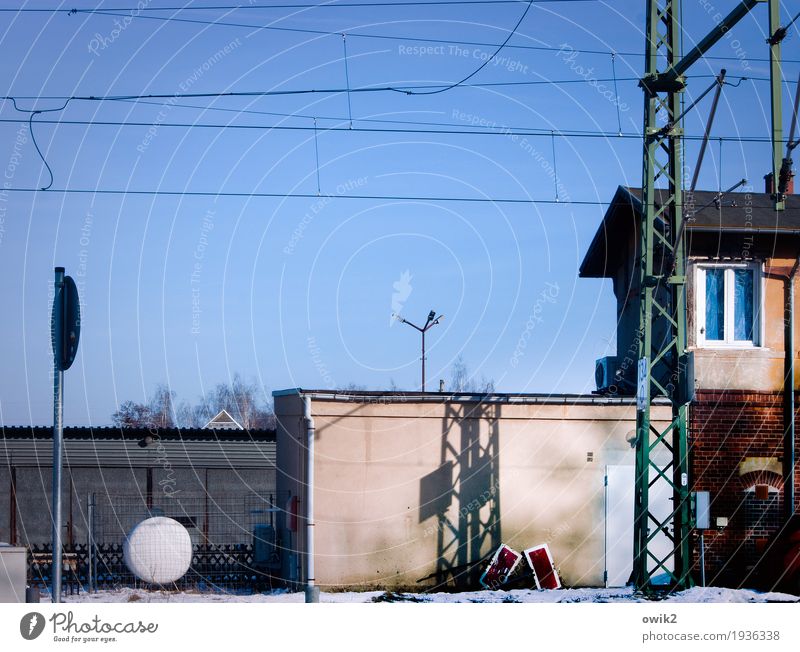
[619, 522]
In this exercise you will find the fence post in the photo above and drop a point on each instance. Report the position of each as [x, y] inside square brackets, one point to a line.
[92, 565]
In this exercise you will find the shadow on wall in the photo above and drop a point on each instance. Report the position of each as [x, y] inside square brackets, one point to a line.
[463, 494]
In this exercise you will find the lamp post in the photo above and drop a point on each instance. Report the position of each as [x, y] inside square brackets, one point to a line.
[429, 323]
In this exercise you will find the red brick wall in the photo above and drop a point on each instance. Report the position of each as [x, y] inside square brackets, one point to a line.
[725, 428]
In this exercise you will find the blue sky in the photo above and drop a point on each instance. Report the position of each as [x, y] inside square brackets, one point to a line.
[298, 291]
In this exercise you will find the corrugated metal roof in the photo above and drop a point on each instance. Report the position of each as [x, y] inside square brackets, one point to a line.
[137, 434]
[125, 451]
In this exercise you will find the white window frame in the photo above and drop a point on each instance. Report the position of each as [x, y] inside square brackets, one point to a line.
[728, 310]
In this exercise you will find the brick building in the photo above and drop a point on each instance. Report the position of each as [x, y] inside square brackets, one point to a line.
[742, 263]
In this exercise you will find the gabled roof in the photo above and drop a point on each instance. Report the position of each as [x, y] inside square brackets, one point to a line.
[223, 421]
[737, 212]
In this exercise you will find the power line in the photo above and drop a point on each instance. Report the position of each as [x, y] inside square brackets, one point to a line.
[324, 5]
[390, 37]
[336, 91]
[305, 195]
[493, 131]
[275, 195]
[493, 126]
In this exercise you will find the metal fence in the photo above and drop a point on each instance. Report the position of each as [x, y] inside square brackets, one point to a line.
[235, 544]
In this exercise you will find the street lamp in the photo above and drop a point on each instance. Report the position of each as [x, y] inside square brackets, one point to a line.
[431, 322]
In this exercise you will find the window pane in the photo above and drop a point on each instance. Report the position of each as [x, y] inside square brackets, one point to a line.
[743, 304]
[715, 304]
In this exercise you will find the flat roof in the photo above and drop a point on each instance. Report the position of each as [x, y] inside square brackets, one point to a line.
[364, 396]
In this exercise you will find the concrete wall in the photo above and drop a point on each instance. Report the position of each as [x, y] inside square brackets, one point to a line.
[409, 494]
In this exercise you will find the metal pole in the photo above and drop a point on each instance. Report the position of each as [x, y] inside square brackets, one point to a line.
[58, 436]
[720, 81]
[92, 569]
[775, 76]
[789, 403]
[423, 358]
[702, 559]
[312, 591]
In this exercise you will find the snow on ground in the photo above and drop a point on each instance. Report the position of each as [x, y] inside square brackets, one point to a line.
[625, 595]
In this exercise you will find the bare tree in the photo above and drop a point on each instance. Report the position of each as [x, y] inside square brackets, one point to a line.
[239, 398]
[462, 381]
[132, 415]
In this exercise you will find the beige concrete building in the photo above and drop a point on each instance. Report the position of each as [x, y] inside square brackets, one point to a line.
[414, 490]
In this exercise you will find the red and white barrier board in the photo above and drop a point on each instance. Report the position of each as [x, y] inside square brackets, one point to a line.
[503, 563]
[544, 570]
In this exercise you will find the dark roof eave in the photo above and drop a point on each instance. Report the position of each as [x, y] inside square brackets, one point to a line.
[594, 262]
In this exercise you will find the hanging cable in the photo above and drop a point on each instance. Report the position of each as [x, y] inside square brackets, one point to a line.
[482, 66]
[39, 151]
[31, 114]
[316, 152]
[616, 91]
[347, 80]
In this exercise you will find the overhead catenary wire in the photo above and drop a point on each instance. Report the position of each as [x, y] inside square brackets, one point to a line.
[337, 91]
[279, 195]
[321, 5]
[393, 37]
[498, 130]
[283, 195]
[493, 127]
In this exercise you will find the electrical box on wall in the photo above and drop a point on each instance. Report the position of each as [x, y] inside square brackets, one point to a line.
[702, 510]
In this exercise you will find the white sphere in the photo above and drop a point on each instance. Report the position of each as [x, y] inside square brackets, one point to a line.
[158, 550]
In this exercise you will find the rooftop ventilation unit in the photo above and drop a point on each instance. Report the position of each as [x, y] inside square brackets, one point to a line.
[604, 375]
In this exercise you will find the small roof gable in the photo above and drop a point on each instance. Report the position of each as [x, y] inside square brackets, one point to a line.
[738, 212]
[223, 421]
